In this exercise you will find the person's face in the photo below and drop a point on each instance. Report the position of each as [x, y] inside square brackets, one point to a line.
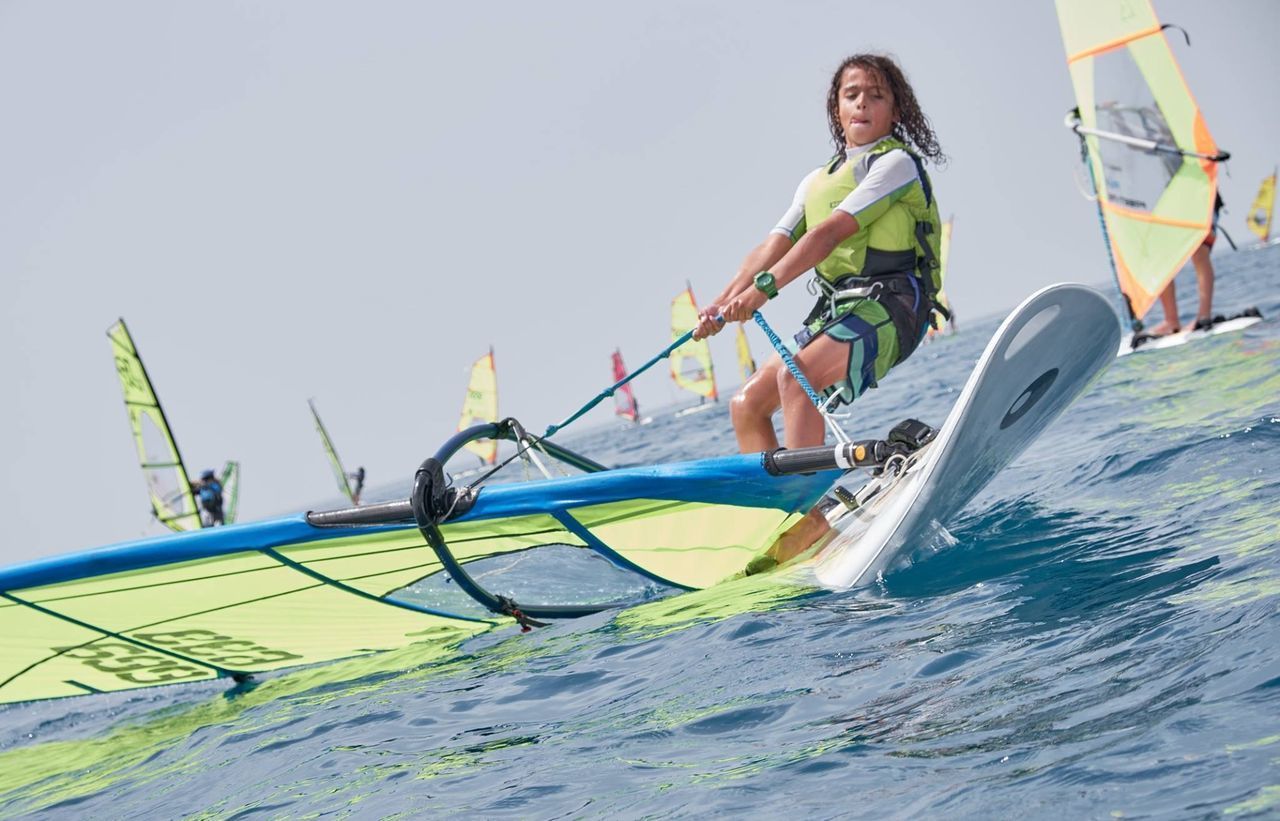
[866, 107]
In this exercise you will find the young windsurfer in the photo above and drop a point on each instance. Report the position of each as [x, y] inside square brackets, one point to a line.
[867, 217]
[209, 491]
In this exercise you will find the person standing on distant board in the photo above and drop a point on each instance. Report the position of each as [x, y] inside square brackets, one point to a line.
[866, 217]
[1204, 284]
[209, 491]
[358, 478]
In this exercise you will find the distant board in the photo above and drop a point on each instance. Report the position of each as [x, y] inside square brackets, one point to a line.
[1238, 323]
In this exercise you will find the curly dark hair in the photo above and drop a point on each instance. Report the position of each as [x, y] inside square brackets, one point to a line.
[911, 125]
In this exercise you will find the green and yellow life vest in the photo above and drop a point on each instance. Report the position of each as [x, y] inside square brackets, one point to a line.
[903, 240]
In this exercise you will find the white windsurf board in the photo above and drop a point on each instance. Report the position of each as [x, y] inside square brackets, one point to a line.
[1041, 358]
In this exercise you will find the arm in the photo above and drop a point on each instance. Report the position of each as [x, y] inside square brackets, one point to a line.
[764, 256]
[761, 258]
[815, 246]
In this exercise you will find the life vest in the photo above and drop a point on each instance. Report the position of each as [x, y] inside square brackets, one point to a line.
[211, 494]
[898, 250]
[904, 240]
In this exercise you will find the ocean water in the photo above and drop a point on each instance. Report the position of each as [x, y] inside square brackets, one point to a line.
[1099, 638]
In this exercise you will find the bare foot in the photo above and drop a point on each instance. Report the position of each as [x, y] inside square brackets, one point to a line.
[800, 537]
[1164, 329]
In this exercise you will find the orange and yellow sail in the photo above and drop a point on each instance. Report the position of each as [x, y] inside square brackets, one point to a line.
[1259, 217]
[481, 405]
[1149, 152]
[691, 366]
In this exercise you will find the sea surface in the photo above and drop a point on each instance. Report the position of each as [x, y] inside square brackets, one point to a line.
[1099, 638]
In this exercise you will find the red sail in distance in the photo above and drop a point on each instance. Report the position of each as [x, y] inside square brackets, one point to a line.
[624, 400]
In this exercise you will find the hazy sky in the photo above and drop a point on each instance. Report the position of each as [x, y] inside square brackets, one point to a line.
[352, 201]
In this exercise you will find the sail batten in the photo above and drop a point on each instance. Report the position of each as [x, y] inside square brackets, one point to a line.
[1113, 44]
[1143, 216]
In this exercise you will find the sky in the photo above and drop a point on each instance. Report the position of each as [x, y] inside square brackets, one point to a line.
[353, 201]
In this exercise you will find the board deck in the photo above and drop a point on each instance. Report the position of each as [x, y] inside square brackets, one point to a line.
[1041, 358]
[705, 406]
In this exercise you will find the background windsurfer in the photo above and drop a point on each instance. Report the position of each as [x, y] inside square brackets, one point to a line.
[209, 491]
[358, 478]
[1204, 285]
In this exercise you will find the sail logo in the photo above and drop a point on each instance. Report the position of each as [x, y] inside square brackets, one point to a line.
[130, 377]
[132, 663]
[140, 664]
[215, 648]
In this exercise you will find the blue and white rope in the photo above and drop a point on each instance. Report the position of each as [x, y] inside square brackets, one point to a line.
[801, 379]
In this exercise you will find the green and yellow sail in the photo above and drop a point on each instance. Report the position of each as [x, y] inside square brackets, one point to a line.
[1149, 152]
[335, 463]
[173, 610]
[168, 484]
[230, 491]
[944, 256]
[230, 602]
[1259, 217]
[691, 366]
[481, 405]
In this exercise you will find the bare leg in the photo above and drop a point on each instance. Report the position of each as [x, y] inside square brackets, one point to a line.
[823, 363]
[1204, 281]
[772, 387]
[752, 409]
[1168, 301]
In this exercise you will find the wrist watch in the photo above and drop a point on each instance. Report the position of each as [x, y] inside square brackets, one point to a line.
[766, 283]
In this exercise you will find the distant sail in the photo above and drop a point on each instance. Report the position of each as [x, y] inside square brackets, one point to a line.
[746, 362]
[230, 490]
[481, 405]
[1259, 217]
[1149, 152]
[339, 472]
[691, 366]
[624, 398]
[940, 322]
[172, 501]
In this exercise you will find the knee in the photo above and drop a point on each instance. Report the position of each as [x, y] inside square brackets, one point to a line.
[753, 401]
[741, 408]
[789, 389]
